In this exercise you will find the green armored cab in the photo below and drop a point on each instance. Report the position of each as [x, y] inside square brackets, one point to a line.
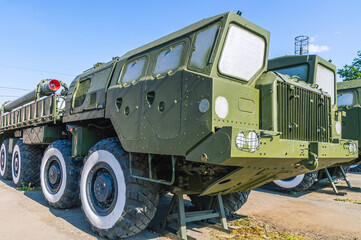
[311, 71]
[195, 112]
[348, 100]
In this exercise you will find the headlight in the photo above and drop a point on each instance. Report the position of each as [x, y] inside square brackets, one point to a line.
[241, 140]
[338, 128]
[252, 141]
[221, 107]
[352, 148]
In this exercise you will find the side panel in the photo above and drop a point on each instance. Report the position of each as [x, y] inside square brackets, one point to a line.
[174, 131]
[162, 107]
[41, 135]
[351, 124]
[86, 97]
[243, 104]
[125, 106]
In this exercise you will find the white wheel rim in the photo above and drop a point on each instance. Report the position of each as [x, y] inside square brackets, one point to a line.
[16, 150]
[290, 184]
[3, 148]
[53, 198]
[108, 221]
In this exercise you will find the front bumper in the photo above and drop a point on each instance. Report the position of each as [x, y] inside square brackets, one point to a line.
[274, 159]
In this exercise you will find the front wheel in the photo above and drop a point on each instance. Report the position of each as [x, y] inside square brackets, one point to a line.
[115, 204]
[59, 175]
[298, 183]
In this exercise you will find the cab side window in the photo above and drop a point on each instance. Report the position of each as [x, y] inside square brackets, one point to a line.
[133, 70]
[80, 93]
[168, 59]
[344, 99]
[203, 47]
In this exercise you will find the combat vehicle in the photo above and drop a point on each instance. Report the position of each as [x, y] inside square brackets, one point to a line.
[313, 71]
[195, 112]
[348, 100]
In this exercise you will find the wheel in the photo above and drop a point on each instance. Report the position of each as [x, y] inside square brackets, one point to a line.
[115, 204]
[59, 175]
[5, 161]
[232, 201]
[355, 168]
[339, 173]
[25, 164]
[297, 183]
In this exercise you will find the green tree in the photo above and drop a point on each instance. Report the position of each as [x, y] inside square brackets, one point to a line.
[353, 71]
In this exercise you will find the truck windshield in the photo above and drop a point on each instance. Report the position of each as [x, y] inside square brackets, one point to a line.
[243, 54]
[344, 99]
[325, 78]
[301, 71]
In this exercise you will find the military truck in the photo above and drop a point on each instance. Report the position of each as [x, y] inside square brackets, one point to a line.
[194, 112]
[348, 100]
[312, 71]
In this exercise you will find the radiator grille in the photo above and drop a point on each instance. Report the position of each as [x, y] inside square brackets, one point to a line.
[303, 114]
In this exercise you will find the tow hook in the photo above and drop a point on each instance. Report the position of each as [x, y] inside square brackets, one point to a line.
[312, 162]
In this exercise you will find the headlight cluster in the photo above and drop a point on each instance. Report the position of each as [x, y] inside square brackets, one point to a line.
[251, 142]
[352, 148]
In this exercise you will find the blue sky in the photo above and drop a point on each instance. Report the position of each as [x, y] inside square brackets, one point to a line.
[60, 39]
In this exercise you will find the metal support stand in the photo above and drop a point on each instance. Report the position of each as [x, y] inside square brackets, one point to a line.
[332, 179]
[177, 216]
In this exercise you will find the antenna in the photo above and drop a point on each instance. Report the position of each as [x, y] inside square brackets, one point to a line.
[301, 45]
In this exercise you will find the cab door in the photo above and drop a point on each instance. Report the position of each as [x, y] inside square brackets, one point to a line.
[163, 94]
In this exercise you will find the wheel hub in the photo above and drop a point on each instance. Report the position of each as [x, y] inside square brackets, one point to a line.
[2, 160]
[103, 187]
[54, 174]
[16, 164]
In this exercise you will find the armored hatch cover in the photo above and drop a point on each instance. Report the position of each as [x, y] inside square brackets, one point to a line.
[349, 84]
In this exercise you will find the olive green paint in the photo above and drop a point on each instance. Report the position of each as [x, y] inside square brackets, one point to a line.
[351, 122]
[42, 134]
[159, 115]
[83, 139]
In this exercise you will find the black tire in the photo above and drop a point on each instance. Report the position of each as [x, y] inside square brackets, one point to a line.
[25, 164]
[5, 161]
[232, 202]
[305, 182]
[355, 168]
[339, 173]
[60, 175]
[124, 210]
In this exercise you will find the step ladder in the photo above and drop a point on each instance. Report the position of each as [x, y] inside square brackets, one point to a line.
[326, 177]
[177, 216]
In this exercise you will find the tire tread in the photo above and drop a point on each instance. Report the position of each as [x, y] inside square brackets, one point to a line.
[141, 196]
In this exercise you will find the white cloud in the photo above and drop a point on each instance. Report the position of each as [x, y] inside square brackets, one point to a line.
[338, 33]
[312, 39]
[313, 48]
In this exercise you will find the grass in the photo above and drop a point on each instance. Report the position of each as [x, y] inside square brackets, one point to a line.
[27, 188]
[246, 229]
[356, 201]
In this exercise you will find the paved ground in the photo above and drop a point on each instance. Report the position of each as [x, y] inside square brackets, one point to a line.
[315, 215]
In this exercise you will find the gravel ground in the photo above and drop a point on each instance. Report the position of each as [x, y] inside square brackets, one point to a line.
[312, 214]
